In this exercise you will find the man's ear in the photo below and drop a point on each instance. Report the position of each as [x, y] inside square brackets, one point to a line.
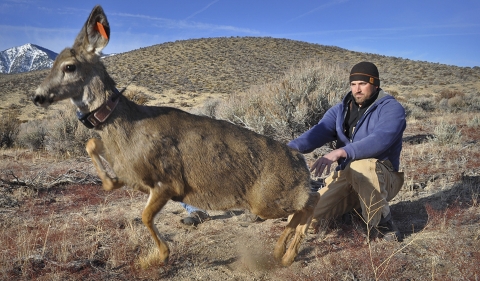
[95, 34]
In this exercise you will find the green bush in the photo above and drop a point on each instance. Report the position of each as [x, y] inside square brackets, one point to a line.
[32, 135]
[66, 135]
[9, 127]
[474, 122]
[472, 101]
[414, 112]
[209, 108]
[449, 94]
[288, 107]
[445, 133]
[425, 103]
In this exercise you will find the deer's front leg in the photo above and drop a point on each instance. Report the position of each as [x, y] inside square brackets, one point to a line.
[94, 149]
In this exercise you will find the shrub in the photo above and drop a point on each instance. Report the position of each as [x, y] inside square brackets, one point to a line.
[209, 108]
[451, 101]
[290, 106]
[66, 135]
[448, 94]
[474, 122]
[136, 96]
[413, 111]
[456, 103]
[32, 135]
[446, 133]
[472, 101]
[424, 103]
[9, 127]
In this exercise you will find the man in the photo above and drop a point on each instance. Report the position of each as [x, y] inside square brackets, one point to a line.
[367, 127]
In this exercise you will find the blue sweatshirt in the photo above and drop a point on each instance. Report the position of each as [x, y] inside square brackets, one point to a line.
[378, 133]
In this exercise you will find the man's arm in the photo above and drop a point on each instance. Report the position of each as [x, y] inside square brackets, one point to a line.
[319, 134]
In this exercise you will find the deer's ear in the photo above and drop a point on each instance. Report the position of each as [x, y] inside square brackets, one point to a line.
[95, 33]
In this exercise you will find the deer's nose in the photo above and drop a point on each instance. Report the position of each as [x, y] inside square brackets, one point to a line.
[38, 100]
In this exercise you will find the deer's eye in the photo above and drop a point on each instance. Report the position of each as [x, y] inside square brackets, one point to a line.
[69, 68]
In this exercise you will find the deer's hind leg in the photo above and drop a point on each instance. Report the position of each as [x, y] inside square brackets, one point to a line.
[94, 149]
[297, 225]
[286, 235]
[156, 201]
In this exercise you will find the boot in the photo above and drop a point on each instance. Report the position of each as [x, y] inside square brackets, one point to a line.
[387, 229]
[195, 218]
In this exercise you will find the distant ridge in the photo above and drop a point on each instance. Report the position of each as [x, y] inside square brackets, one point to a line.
[26, 58]
[184, 73]
[233, 64]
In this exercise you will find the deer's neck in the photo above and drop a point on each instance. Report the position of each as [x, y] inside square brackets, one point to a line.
[99, 115]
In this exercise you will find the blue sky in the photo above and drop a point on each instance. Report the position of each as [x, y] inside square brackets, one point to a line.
[436, 31]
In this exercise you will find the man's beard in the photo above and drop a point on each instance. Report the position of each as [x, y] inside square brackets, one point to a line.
[360, 100]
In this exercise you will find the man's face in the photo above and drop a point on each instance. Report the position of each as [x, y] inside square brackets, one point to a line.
[362, 91]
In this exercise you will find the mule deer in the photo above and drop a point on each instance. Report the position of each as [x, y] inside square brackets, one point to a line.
[171, 154]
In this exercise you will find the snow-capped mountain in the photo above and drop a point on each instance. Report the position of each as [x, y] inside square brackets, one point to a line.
[26, 58]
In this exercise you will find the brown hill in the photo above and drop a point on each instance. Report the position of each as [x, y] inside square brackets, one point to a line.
[184, 73]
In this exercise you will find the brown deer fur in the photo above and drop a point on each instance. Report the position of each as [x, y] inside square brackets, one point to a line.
[171, 154]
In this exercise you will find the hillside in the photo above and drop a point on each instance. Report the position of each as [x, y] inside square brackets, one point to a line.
[225, 65]
[192, 70]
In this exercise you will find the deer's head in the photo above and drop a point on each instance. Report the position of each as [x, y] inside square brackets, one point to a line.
[77, 72]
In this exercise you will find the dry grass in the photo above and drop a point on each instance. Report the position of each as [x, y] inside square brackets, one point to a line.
[71, 231]
[57, 223]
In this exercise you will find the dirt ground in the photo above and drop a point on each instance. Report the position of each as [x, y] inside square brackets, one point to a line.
[58, 224]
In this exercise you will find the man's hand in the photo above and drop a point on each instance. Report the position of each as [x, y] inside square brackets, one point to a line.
[326, 161]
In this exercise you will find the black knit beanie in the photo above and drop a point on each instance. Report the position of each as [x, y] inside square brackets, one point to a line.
[365, 71]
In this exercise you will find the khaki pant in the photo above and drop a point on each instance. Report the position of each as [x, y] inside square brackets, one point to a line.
[366, 183]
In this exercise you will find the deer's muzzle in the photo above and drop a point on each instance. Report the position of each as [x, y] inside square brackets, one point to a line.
[41, 100]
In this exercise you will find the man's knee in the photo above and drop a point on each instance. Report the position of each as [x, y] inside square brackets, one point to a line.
[363, 165]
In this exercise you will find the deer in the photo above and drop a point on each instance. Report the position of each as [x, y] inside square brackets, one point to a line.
[171, 154]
